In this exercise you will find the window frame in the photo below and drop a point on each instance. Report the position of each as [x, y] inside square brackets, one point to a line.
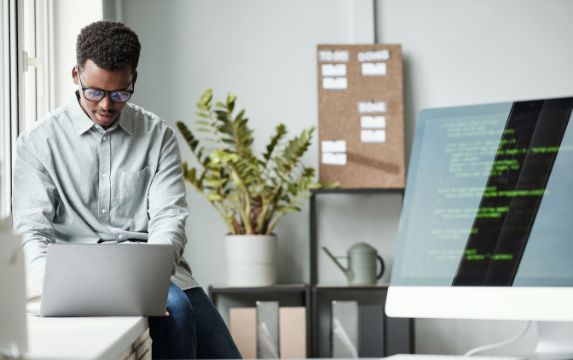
[10, 106]
[33, 18]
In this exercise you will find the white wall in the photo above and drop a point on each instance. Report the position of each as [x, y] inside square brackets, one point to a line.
[454, 53]
[70, 16]
[478, 51]
[471, 52]
[262, 51]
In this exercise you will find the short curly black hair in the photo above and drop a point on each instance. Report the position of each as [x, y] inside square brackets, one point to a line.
[110, 45]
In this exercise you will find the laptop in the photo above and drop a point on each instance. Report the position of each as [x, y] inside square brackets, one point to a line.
[106, 280]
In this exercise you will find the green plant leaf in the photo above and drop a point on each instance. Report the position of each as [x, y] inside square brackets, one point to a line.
[222, 156]
[314, 186]
[215, 182]
[280, 132]
[222, 115]
[214, 197]
[191, 175]
[226, 128]
[187, 135]
[330, 185]
[206, 97]
[203, 106]
[231, 99]
[239, 117]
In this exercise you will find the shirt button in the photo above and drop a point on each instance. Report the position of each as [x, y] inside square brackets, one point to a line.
[104, 138]
[120, 236]
[103, 211]
[104, 175]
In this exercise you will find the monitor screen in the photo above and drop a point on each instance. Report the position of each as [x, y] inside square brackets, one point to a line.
[489, 197]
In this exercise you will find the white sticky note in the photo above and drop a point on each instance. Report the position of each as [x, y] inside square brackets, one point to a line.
[333, 159]
[373, 69]
[338, 55]
[332, 83]
[373, 122]
[371, 107]
[373, 135]
[379, 55]
[333, 146]
[333, 70]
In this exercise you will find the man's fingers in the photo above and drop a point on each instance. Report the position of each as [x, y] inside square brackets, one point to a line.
[166, 313]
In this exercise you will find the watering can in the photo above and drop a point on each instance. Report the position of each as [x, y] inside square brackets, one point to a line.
[361, 264]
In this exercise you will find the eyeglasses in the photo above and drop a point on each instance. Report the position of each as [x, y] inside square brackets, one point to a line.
[95, 95]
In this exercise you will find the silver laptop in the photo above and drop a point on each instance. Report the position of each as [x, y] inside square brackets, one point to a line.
[106, 280]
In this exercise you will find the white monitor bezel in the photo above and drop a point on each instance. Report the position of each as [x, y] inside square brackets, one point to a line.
[496, 303]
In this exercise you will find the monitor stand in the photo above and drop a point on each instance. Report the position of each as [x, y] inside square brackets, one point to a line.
[555, 341]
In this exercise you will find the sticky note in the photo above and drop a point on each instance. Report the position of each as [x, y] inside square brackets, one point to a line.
[333, 159]
[332, 83]
[373, 122]
[371, 107]
[333, 146]
[373, 69]
[335, 56]
[333, 70]
[373, 136]
[379, 55]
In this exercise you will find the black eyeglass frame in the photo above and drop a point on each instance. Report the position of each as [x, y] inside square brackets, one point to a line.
[104, 92]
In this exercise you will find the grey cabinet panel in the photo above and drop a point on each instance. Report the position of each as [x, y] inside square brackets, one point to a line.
[371, 335]
[399, 336]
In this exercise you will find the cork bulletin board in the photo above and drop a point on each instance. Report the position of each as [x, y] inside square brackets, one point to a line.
[361, 115]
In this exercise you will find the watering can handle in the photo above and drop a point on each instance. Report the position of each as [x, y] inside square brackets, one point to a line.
[381, 267]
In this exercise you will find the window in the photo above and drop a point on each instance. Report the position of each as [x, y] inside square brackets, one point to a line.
[25, 47]
[8, 98]
[38, 36]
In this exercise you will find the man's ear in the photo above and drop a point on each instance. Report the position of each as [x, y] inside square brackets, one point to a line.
[75, 75]
[134, 78]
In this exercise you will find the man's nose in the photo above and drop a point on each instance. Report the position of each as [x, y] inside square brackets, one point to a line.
[106, 103]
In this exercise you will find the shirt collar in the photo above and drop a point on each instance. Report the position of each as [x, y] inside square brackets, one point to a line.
[80, 119]
[82, 122]
[126, 119]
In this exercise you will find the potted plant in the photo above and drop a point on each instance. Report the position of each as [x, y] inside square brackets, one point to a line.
[251, 193]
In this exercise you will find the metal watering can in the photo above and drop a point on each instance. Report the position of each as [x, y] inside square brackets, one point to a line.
[361, 264]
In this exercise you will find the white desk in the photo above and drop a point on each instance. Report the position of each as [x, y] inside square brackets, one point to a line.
[90, 338]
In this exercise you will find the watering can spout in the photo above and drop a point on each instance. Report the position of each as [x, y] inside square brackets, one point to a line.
[348, 272]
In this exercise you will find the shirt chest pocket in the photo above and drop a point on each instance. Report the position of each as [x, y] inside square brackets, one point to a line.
[133, 191]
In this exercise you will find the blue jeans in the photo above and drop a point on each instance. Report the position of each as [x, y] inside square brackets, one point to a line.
[194, 329]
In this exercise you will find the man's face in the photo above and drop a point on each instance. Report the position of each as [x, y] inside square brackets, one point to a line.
[105, 111]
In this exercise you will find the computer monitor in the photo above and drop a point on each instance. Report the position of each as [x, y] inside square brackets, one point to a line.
[487, 224]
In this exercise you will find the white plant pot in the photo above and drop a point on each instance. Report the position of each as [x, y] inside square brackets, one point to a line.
[251, 260]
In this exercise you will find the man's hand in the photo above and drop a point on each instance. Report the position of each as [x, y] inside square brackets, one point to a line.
[166, 312]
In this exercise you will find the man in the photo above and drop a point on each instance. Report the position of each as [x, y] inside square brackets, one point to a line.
[100, 169]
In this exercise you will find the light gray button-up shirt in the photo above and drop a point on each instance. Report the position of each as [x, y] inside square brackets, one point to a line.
[75, 182]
